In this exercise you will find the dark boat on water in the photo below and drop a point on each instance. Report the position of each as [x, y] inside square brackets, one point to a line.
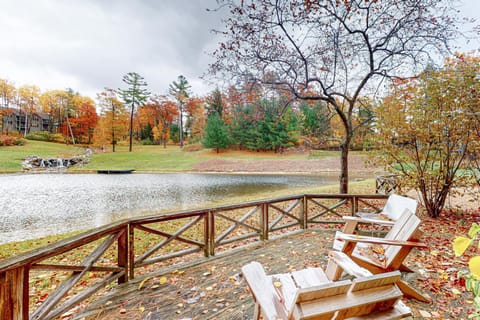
[112, 171]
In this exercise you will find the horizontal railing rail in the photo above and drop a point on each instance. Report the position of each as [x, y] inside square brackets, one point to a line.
[117, 252]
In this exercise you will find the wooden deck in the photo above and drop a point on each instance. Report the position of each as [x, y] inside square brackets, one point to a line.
[213, 287]
[186, 265]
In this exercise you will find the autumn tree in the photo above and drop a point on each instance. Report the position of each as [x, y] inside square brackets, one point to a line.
[426, 130]
[7, 93]
[161, 114]
[180, 90]
[7, 97]
[57, 104]
[112, 126]
[135, 95]
[28, 103]
[331, 51]
[215, 103]
[84, 119]
[196, 119]
[474, 159]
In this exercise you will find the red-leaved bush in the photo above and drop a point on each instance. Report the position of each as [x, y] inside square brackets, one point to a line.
[10, 141]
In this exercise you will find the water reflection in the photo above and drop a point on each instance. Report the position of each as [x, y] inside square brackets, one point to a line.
[36, 205]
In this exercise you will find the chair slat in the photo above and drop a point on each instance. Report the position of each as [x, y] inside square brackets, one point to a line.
[310, 277]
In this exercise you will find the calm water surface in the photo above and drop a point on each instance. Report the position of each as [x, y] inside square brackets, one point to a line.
[35, 205]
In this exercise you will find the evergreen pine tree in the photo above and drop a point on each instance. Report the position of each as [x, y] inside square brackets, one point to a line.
[216, 135]
[135, 95]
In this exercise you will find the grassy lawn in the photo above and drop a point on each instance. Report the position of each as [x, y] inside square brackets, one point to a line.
[11, 157]
[146, 158]
[143, 158]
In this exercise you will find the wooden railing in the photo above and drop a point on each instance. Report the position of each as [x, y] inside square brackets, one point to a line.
[387, 183]
[116, 252]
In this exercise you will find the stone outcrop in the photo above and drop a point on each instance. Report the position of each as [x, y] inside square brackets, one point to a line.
[34, 162]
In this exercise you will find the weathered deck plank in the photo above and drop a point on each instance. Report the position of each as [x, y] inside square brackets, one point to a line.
[212, 289]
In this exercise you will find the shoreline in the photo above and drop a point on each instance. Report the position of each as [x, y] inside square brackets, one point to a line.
[353, 175]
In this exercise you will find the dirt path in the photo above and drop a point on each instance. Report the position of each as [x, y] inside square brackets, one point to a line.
[356, 165]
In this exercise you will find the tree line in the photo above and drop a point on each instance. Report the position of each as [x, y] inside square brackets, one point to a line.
[248, 117]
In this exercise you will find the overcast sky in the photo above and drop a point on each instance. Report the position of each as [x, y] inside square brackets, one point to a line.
[87, 45]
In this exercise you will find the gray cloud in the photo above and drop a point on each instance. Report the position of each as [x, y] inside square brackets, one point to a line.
[87, 45]
[90, 44]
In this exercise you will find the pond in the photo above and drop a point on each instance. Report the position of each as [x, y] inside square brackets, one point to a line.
[36, 205]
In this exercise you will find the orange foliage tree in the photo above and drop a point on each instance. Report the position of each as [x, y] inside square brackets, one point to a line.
[85, 120]
[160, 113]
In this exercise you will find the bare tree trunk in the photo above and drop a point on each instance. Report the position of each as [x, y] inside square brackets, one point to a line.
[26, 123]
[113, 141]
[344, 167]
[181, 126]
[113, 126]
[70, 129]
[131, 127]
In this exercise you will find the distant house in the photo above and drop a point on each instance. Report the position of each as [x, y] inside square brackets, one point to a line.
[14, 120]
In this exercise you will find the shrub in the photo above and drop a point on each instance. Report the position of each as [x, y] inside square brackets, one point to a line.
[193, 147]
[45, 136]
[146, 142]
[11, 141]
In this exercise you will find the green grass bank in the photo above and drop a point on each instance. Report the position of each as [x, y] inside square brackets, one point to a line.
[143, 158]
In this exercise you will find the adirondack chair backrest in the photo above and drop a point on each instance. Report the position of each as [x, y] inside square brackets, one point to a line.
[264, 291]
[403, 230]
[396, 204]
[398, 227]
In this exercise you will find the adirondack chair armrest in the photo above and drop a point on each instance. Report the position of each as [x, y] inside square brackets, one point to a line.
[369, 220]
[372, 240]
[347, 264]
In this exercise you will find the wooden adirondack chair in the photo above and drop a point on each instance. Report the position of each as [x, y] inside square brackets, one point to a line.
[309, 294]
[392, 211]
[380, 255]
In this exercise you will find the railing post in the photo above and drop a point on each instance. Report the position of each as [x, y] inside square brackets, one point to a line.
[14, 294]
[131, 250]
[354, 205]
[303, 218]
[265, 220]
[211, 232]
[206, 230]
[123, 254]
[262, 222]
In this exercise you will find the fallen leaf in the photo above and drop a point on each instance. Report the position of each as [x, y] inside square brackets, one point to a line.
[143, 282]
[460, 244]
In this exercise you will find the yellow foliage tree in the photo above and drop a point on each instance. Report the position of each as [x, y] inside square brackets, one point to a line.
[426, 130]
[7, 96]
[113, 123]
